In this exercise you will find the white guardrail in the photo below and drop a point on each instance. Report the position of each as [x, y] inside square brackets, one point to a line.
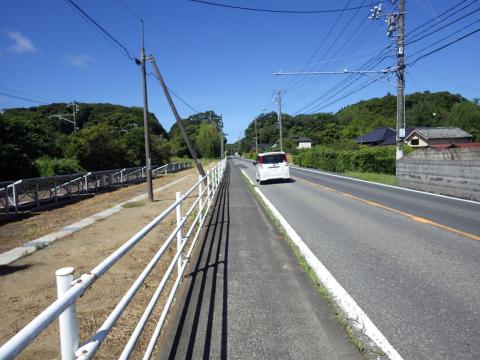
[70, 289]
[27, 193]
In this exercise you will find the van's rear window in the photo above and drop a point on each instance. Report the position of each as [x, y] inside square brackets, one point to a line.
[273, 159]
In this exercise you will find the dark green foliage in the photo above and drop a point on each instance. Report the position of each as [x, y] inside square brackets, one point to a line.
[362, 158]
[110, 136]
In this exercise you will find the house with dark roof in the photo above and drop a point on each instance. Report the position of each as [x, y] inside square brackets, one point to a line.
[439, 137]
[381, 136]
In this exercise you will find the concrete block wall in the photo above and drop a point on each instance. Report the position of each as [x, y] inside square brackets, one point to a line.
[452, 172]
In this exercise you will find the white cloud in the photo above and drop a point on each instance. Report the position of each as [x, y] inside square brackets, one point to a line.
[79, 61]
[22, 44]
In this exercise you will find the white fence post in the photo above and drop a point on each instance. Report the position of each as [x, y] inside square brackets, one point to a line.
[179, 233]
[68, 319]
[209, 190]
[200, 201]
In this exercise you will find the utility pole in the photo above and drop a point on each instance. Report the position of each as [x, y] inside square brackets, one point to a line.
[75, 109]
[400, 79]
[256, 137]
[279, 102]
[148, 164]
[222, 140]
[193, 153]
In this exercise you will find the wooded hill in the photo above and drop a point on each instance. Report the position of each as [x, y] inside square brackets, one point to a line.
[109, 137]
[341, 128]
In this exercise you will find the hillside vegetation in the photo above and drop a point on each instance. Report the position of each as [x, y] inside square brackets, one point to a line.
[109, 136]
[340, 129]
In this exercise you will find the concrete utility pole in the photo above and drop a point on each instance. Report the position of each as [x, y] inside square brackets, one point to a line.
[148, 164]
[256, 137]
[75, 109]
[400, 79]
[222, 139]
[193, 153]
[279, 102]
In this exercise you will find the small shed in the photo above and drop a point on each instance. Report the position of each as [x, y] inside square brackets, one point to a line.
[302, 142]
[428, 137]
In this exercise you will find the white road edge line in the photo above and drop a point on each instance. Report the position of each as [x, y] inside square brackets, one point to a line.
[31, 246]
[385, 185]
[347, 304]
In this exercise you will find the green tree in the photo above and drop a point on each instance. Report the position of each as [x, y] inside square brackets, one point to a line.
[208, 141]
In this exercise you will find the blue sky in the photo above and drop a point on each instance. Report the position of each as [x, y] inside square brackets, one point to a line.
[216, 58]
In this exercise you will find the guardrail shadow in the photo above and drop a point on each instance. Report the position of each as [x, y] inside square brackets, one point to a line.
[204, 310]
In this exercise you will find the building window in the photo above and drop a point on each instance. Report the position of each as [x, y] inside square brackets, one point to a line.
[415, 142]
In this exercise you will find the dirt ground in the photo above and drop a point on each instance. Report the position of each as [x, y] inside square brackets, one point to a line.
[37, 224]
[28, 286]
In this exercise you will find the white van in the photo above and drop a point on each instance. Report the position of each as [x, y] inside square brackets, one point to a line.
[271, 165]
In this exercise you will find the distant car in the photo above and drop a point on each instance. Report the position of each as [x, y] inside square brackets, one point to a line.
[271, 166]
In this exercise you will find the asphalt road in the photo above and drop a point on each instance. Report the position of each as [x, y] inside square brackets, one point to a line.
[419, 283]
[246, 296]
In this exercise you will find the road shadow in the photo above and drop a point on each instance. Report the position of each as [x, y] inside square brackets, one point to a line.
[278, 181]
[205, 309]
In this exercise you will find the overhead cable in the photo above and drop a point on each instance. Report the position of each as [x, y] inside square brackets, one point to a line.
[101, 29]
[327, 11]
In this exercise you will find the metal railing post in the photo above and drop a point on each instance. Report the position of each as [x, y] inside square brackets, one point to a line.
[7, 201]
[68, 319]
[15, 198]
[179, 233]
[37, 198]
[208, 186]
[200, 201]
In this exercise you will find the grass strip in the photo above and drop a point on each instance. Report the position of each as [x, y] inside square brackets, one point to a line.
[373, 177]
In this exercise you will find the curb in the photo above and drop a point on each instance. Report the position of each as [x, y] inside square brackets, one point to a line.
[30, 247]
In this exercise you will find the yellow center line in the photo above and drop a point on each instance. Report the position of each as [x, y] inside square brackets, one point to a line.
[399, 212]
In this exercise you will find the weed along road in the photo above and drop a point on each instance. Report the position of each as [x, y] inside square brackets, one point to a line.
[410, 260]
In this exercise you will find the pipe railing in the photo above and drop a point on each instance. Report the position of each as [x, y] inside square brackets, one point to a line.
[28, 193]
[64, 308]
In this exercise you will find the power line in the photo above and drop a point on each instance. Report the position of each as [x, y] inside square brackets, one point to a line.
[446, 37]
[342, 46]
[281, 11]
[23, 98]
[418, 37]
[347, 82]
[101, 29]
[437, 18]
[320, 45]
[41, 98]
[443, 47]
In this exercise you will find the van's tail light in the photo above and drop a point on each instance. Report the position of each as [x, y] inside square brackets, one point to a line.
[285, 158]
[260, 161]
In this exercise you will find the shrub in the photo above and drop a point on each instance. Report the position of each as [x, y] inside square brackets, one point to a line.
[47, 166]
[363, 159]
